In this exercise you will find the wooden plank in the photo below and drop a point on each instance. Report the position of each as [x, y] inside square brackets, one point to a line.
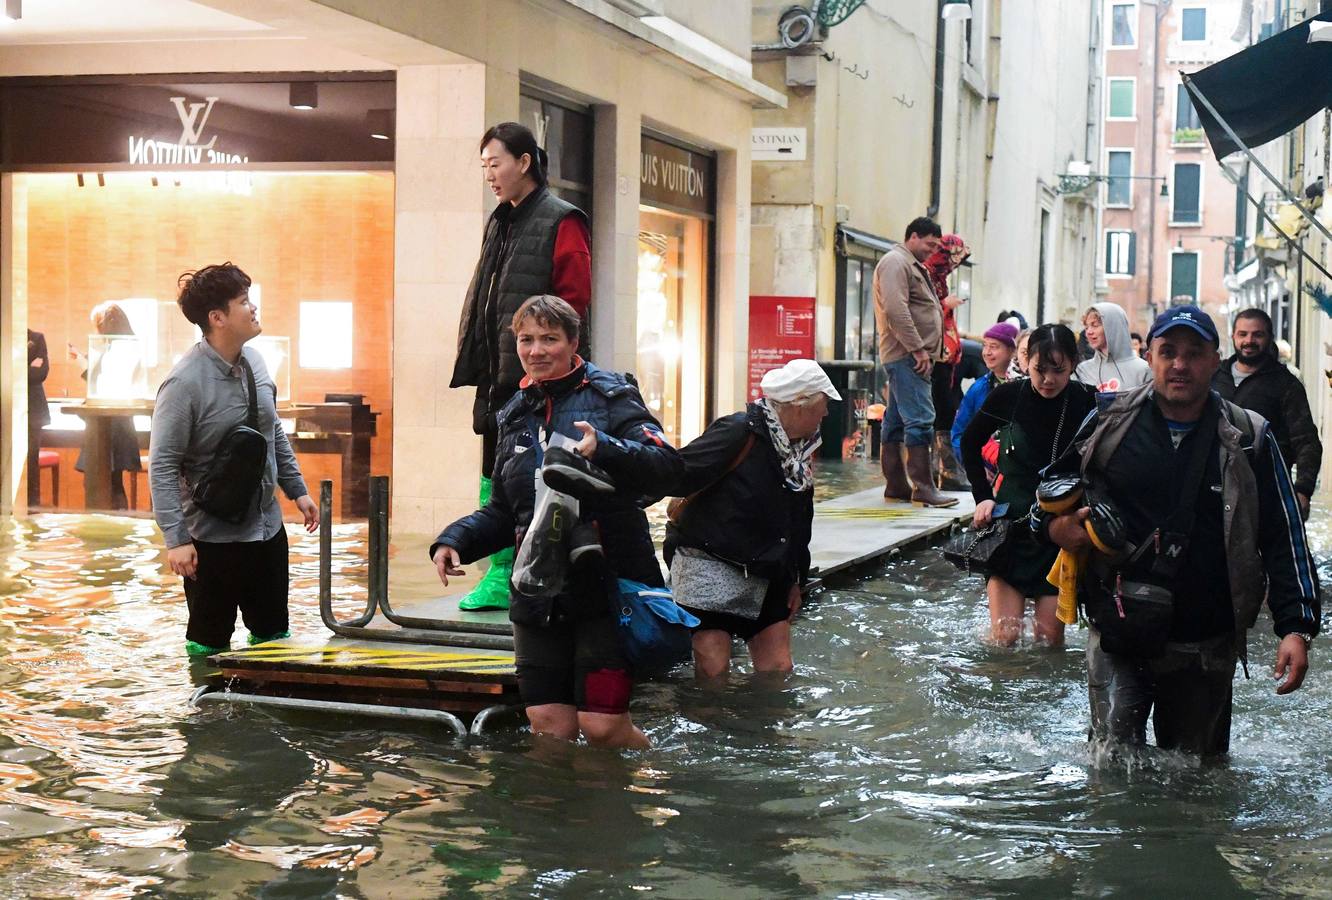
[252, 676]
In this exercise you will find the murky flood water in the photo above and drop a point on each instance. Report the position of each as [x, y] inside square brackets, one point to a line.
[904, 758]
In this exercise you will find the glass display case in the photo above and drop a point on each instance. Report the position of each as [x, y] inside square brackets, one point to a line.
[117, 370]
[276, 352]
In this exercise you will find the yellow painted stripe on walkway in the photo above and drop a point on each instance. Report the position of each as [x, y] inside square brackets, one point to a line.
[870, 513]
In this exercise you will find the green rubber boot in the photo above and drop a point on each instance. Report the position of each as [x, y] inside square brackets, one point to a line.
[196, 650]
[492, 591]
[255, 639]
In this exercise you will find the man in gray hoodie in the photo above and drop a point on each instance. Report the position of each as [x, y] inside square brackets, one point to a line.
[1115, 367]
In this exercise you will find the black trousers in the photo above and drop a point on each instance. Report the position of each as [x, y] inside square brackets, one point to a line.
[250, 576]
[34, 471]
[946, 394]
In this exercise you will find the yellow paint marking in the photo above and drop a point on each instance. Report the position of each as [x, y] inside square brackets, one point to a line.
[371, 657]
[867, 513]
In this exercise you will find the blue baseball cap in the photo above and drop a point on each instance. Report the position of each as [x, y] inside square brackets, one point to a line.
[1186, 317]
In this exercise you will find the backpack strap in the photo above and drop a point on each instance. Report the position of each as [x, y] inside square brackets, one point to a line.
[675, 509]
[1252, 427]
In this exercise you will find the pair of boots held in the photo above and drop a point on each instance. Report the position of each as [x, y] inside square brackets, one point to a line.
[949, 473]
[492, 591]
[920, 489]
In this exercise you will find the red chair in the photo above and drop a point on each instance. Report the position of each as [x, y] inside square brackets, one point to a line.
[50, 459]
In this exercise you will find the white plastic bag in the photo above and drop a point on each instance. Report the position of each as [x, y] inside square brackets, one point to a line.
[541, 565]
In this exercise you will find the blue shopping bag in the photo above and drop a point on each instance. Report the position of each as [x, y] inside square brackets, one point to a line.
[655, 631]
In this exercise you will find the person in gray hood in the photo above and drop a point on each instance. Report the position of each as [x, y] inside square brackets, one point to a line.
[1115, 367]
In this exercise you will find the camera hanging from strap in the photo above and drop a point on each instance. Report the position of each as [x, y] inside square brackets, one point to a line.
[1170, 540]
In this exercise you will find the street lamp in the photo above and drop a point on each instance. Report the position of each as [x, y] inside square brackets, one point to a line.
[1073, 182]
[956, 9]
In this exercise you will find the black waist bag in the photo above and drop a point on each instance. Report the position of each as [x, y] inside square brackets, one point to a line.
[1133, 617]
[228, 489]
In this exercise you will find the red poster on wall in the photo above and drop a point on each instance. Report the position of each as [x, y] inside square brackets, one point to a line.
[780, 329]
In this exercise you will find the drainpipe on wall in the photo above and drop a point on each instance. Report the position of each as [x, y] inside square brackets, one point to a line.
[936, 124]
[1157, 15]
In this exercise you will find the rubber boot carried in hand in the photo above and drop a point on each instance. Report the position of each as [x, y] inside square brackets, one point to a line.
[923, 491]
[895, 485]
[492, 591]
[949, 475]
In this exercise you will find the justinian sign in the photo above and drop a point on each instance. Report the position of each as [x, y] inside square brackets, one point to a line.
[777, 144]
[191, 121]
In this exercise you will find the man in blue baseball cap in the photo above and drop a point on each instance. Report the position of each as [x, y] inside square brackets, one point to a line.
[1213, 528]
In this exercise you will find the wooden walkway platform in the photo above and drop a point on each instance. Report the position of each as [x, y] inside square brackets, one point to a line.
[848, 531]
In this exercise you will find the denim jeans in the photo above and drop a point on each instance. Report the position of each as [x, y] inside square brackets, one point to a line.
[909, 418]
[1187, 693]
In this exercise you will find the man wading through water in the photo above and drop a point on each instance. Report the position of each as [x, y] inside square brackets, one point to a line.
[220, 387]
[1214, 527]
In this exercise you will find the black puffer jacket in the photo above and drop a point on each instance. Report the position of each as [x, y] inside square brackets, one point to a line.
[630, 447]
[1278, 396]
[749, 517]
[517, 261]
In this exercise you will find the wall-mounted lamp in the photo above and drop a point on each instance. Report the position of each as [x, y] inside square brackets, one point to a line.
[380, 123]
[304, 95]
[14, 9]
[1079, 177]
[955, 9]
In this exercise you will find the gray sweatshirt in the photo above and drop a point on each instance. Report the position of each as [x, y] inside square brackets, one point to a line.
[201, 402]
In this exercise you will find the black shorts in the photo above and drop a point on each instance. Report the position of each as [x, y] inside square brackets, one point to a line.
[576, 663]
[250, 576]
[776, 608]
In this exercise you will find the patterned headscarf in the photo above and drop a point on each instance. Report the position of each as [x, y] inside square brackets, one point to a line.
[797, 458]
[940, 264]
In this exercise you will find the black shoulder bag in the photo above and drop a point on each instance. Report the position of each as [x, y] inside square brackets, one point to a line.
[227, 490]
[1132, 604]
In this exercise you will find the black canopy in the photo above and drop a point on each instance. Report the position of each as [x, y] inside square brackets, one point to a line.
[1266, 90]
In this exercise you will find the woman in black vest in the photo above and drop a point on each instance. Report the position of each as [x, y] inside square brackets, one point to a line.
[534, 243]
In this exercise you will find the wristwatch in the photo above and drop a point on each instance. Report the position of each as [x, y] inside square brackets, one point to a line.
[1308, 638]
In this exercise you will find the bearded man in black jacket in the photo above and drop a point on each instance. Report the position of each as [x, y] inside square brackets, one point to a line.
[1255, 379]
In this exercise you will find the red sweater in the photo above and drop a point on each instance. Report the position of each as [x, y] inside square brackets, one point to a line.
[571, 277]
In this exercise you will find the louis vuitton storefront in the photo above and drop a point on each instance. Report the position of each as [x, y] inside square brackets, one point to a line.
[113, 187]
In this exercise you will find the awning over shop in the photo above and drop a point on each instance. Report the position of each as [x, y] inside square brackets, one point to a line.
[849, 235]
[1268, 89]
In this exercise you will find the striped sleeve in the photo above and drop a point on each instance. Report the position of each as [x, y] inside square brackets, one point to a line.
[1292, 579]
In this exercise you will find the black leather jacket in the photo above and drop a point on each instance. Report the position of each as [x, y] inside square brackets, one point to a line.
[748, 517]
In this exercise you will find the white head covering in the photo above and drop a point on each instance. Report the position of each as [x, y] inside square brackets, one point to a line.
[798, 378]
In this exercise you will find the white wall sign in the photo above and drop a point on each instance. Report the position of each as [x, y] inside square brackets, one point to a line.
[777, 144]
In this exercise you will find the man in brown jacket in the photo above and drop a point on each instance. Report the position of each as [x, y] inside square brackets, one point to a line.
[910, 324]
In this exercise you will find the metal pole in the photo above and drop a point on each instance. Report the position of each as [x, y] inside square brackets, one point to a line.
[437, 716]
[1230, 133]
[325, 542]
[326, 570]
[372, 550]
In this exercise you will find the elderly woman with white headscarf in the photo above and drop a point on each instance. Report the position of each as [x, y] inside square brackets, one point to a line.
[739, 547]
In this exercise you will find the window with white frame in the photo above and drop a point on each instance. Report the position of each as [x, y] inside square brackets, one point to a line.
[1123, 25]
[1186, 195]
[1122, 98]
[1119, 184]
[1121, 251]
[1186, 117]
[1193, 24]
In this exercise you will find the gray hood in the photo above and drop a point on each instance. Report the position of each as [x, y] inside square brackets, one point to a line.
[1118, 339]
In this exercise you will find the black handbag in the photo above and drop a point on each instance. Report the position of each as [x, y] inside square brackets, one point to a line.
[228, 489]
[981, 551]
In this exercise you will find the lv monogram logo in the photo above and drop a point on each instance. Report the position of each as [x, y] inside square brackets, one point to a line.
[193, 119]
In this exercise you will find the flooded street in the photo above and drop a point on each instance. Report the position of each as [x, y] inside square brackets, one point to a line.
[904, 758]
